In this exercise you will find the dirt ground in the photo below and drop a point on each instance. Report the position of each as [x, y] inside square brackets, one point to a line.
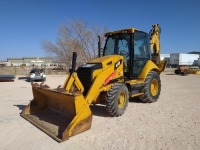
[173, 122]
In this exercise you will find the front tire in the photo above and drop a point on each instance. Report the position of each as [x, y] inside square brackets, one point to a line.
[117, 99]
[152, 88]
[176, 71]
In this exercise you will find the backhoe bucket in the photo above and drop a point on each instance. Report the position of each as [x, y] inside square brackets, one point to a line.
[58, 114]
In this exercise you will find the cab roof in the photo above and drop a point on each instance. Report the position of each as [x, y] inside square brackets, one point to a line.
[127, 30]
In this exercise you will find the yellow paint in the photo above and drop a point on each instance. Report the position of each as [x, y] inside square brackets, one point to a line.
[154, 87]
[106, 71]
[138, 94]
[195, 72]
[147, 68]
[122, 100]
[73, 105]
[73, 108]
[154, 40]
[71, 81]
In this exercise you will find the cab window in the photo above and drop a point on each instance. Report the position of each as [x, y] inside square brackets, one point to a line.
[141, 45]
[141, 52]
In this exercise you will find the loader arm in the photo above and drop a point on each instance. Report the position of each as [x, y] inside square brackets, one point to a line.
[73, 84]
[97, 73]
[100, 82]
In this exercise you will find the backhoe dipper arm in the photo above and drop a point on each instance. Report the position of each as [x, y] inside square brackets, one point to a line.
[155, 47]
[155, 39]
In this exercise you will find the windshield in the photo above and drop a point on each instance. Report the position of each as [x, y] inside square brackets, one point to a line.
[117, 44]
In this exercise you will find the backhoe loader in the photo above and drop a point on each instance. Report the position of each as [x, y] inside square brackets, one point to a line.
[126, 68]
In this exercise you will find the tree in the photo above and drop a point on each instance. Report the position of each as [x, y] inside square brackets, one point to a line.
[75, 36]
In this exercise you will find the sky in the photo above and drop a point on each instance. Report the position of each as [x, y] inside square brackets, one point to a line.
[25, 24]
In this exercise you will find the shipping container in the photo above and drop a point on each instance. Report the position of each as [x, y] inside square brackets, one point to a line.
[177, 59]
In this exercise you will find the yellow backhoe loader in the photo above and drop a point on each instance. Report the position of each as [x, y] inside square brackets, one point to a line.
[128, 68]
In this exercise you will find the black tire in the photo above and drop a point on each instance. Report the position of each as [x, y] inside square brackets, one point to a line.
[117, 99]
[185, 72]
[152, 88]
[176, 71]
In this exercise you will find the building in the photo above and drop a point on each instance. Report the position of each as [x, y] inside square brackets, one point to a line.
[4, 64]
[177, 59]
[165, 57]
[30, 61]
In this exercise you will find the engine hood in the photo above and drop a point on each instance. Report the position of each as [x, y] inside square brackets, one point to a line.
[106, 61]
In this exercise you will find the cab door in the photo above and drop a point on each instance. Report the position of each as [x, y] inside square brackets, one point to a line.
[140, 54]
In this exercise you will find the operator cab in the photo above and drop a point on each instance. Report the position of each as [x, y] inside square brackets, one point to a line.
[133, 45]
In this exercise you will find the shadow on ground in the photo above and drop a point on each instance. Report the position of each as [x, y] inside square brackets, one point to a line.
[134, 100]
[24, 78]
[21, 107]
[177, 74]
[170, 74]
[7, 80]
[27, 79]
[99, 110]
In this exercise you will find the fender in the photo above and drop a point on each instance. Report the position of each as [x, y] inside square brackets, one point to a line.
[147, 68]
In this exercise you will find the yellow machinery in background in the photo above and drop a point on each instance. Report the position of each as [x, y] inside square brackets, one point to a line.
[194, 70]
[127, 69]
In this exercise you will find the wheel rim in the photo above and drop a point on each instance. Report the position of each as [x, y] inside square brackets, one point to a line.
[121, 100]
[154, 87]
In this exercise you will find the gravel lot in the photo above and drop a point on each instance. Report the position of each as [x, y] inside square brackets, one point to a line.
[173, 122]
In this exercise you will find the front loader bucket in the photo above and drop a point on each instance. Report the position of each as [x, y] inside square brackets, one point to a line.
[58, 114]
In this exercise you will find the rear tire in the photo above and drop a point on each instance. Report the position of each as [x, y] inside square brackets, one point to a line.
[176, 71]
[117, 99]
[152, 88]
